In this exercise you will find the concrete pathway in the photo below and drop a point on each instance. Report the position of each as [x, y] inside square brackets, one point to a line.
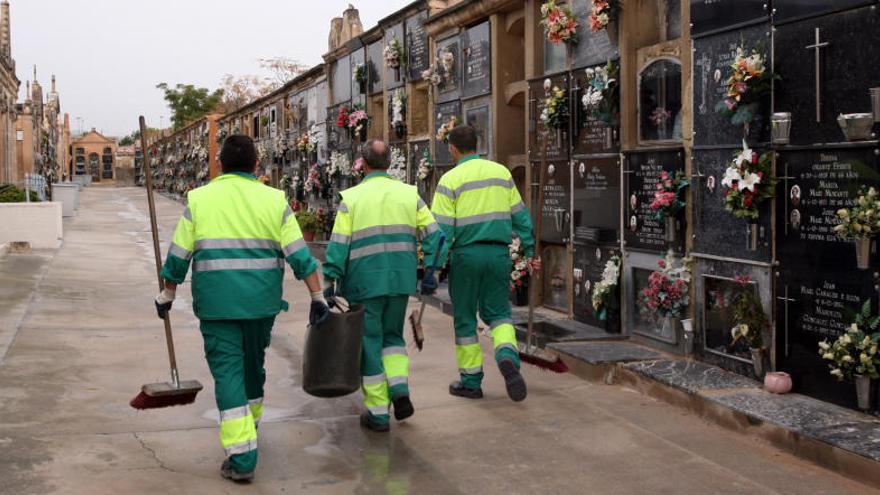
[83, 337]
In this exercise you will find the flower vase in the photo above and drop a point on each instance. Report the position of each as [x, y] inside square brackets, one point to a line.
[400, 130]
[752, 242]
[777, 382]
[362, 134]
[864, 392]
[757, 361]
[612, 315]
[612, 31]
[688, 336]
[863, 252]
[362, 86]
[521, 295]
[308, 235]
[397, 74]
[671, 229]
[669, 330]
[780, 127]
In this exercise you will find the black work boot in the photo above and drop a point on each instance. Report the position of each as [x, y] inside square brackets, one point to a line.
[459, 390]
[227, 472]
[403, 407]
[369, 423]
[516, 386]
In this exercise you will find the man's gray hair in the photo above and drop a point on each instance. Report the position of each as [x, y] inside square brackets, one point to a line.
[375, 153]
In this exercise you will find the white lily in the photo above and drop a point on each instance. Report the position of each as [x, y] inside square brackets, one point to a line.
[730, 175]
[749, 181]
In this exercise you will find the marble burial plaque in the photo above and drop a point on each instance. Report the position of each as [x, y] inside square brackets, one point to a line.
[717, 15]
[358, 57]
[641, 175]
[849, 47]
[596, 199]
[589, 263]
[812, 186]
[478, 117]
[788, 10]
[476, 51]
[556, 267]
[556, 221]
[418, 56]
[337, 138]
[557, 139]
[340, 78]
[713, 56]
[591, 134]
[450, 88]
[592, 48]
[716, 231]
[396, 77]
[375, 64]
[442, 114]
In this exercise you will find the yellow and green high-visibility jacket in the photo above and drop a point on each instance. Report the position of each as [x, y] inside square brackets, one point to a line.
[372, 250]
[477, 201]
[238, 234]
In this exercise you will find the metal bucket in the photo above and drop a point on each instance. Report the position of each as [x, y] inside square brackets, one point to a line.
[332, 355]
[758, 361]
[752, 243]
[780, 127]
[863, 253]
[864, 392]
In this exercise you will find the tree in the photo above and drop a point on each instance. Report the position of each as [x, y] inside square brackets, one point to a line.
[282, 70]
[189, 103]
[238, 91]
[127, 140]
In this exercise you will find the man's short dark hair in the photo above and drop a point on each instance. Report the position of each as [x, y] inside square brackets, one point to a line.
[464, 138]
[238, 154]
[375, 159]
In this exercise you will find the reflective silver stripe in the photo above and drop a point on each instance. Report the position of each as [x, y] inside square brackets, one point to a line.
[238, 264]
[342, 208]
[382, 229]
[287, 212]
[179, 252]
[497, 323]
[374, 380]
[482, 184]
[500, 215]
[237, 244]
[506, 345]
[254, 402]
[241, 448]
[467, 340]
[421, 204]
[518, 207]
[384, 247]
[441, 189]
[430, 229]
[471, 371]
[187, 214]
[378, 410]
[391, 351]
[445, 220]
[397, 380]
[340, 238]
[234, 413]
[294, 247]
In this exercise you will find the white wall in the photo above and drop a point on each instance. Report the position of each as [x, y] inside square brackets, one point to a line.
[36, 223]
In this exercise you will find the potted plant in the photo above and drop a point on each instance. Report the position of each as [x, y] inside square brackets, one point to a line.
[308, 224]
[748, 182]
[667, 294]
[604, 297]
[750, 322]
[861, 223]
[669, 201]
[853, 356]
[519, 275]
[559, 23]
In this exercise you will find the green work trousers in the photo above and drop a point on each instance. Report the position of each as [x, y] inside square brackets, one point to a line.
[236, 351]
[479, 280]
[384, 362]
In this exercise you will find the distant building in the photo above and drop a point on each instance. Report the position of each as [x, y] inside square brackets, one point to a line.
[94, 154]
[9, 85]
[40, 134]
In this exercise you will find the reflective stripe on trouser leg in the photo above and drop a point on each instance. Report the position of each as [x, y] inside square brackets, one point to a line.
[464, 283]
[504, 341]
[256, 406]
[396, 364]
[238, 435]
[469, 356]
[376, 399]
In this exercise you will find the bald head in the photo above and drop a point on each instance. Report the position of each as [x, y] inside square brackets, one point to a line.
[375, 153]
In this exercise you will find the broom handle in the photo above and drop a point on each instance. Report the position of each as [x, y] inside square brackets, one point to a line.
[433, 268]
[148, 174]
[536, 276]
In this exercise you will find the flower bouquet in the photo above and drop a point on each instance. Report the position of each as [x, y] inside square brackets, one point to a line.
[602, 93]
[666, 295]
[559, 23]
[340, 166]
[357, 169]
[519, 275]
[360, 77]
[555, 112]
[605, 289]
[605, 14]
[398, 112]
[861, 223]
[426, 165]
[669, 201]
[314, 181]
[358, 120]
[397, 164]
[443, 131]
[748, 182]
[853, 357]
[342, 117]
[748, 84]
[750, 321]
[394, 56]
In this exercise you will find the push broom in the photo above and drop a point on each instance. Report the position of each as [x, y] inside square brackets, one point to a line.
[175, 392]
[529, 352]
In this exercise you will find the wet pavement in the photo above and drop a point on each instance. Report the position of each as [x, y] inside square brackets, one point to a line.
[78, 337]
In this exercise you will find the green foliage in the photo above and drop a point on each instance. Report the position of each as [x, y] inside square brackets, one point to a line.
[12, 194]
[189, 103]
[748, 313]
[308, 220]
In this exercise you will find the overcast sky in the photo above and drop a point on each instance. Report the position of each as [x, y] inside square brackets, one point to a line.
[108, 55]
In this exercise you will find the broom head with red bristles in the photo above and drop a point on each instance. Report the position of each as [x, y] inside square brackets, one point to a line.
[542, 358]
[159, 395]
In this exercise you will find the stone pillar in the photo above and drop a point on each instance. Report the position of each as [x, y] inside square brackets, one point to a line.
[335, 33]
[5, 31]
[351, 24]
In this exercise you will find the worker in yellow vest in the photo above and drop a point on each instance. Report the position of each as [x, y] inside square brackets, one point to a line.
[238, 234]
[479, 208]
[371, 260]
